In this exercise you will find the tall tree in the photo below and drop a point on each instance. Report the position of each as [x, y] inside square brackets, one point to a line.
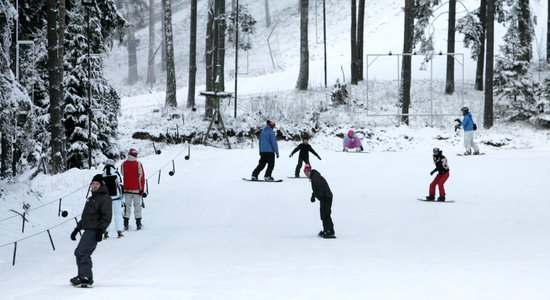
[171, 100]
[360, 38]
[163, 47]
[481, 51]
[220, 27]
[303, 76]
[151, 78]
[132, 55]
[488, 107]
[209, 59]
[548, 32]
[450, 78]
[55, 65]
[406, 67]
[353, 32]
[192, 55]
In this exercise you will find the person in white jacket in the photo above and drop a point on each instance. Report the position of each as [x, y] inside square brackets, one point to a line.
[113, 181]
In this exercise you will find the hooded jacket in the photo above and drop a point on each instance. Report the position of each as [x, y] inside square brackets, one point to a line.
[467, 123]
[320, 187]
[268, 142]
[97, 211]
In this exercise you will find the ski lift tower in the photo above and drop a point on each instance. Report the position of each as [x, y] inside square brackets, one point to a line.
[217, 117]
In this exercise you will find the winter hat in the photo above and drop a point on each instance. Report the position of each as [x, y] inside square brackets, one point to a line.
[465, 109]
[110, 162]
[350, 133]
[98, 178]
[437, 151]
[307, 168]
[133, 152]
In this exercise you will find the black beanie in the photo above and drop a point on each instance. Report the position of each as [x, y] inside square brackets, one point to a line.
[98, 178]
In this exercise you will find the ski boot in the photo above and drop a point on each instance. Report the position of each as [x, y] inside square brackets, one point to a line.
[106, 235]
[83, 282]
[441, 198]
[268, 178]
[430, 198]
[126, 221]
[327, 234]
[254, 178]
[120, 234]
[138, 224]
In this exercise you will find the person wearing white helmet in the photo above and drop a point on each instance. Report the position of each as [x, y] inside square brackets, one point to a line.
[469, 127]
[113, 181]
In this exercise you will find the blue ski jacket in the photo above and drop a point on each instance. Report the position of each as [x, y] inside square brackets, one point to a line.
[268, 142]
[467, 122]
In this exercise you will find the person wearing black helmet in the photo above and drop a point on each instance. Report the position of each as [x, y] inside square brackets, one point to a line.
[442, 169]
[468, 125]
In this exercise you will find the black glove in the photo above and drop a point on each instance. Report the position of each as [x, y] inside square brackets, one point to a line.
[432, 172]
[319, 157]
[277, 155]
[290, 155]
[144, 195]
[74, 233]
[99, 235]
[312, 199]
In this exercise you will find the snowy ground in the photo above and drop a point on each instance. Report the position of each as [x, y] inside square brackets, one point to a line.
[210, 235]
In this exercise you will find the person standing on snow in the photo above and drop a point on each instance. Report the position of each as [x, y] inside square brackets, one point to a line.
[268, 150]
[442, 167]
[352, 141]
[468, 125]
[304, 149]
[134, 187]
[113, 182]
[96, 217]
[321, 191]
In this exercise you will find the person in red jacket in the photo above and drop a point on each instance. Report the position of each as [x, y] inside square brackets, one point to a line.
[134, 187]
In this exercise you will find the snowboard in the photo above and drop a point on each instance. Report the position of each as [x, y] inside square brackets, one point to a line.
[351, 151]
[446, 201]
[327, 237]
[301, 177]
[462, 154]
[261, 180]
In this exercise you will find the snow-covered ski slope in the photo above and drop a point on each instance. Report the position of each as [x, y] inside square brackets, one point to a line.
[210, 235]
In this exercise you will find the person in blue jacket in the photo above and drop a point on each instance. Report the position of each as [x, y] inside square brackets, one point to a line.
[268, 150]
[468, 125]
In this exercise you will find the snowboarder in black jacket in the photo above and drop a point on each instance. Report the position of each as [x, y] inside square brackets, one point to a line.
[304, 149]
[96, 217]
[321, 191]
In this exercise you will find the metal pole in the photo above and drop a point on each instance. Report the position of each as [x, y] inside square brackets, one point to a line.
[236, 26]
[325, 40]
[89, 94]
[432, 92]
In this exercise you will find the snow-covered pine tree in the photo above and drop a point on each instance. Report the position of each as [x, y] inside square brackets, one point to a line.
[13, 98]
[513, 83]
[105, 101]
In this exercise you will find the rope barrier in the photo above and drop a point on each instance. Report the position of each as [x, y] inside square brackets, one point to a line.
[75, 218]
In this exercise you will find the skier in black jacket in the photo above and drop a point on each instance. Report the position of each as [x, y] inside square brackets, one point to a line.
[96, 217]
[321, 191]
[304, 149]
[442, 169]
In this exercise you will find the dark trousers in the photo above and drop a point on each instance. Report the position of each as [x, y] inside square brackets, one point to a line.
[83, 253]
[326, 206]
[299, 165]
[265, 158]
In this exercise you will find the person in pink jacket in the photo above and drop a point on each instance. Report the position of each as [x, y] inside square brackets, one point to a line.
[351, 141]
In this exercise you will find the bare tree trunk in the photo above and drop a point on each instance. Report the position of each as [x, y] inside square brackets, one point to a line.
[209, 60]
[353, 32]
[488, 114]
[192, 55]
[450, 78]
[524, 32]
[406, 68]
[220, 46]
[303, 76]
[360, 33]
[481, 54]
[151, 78]
[163, 47]
[54, 88]
[548, 32]
[267, 15]
[171, 100]
[132, 56]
